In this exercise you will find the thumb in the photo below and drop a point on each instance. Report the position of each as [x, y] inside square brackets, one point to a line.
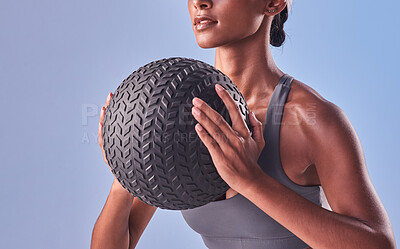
[256, 127]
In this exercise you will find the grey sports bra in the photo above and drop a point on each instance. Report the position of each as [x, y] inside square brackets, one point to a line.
[236, 223]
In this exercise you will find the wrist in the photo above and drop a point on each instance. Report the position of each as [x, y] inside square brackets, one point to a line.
[255, 183]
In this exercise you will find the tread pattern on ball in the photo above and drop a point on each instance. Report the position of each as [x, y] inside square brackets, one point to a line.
[149, 137]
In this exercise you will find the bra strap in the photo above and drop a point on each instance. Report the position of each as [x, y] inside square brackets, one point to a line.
[274, 116]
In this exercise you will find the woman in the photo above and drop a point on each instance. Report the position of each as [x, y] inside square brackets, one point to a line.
[276, 175]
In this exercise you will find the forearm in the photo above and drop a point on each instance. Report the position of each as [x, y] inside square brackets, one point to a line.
[112, 226]
[318, 227]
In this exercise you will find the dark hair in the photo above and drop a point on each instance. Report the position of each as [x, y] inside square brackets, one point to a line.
[277, 35]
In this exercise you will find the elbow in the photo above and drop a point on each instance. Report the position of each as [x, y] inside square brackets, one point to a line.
[385, 240]
[389, 243]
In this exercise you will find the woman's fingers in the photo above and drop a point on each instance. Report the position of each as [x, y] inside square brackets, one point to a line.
[101, 119]
[108, 99]
[214, 123]
[100, 130]
[100, 134]
[212, 128]
[257, 128]
[212, 146]
[238, 123]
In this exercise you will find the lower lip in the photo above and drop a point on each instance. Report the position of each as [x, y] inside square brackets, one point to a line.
[203, 26]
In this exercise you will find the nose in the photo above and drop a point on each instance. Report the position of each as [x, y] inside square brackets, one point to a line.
[202, 4]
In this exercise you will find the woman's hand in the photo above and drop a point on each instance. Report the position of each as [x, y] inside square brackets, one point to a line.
[100, 135]
[116, 184]
[233, 150]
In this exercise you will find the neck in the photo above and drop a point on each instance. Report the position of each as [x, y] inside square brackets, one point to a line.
[249, 64]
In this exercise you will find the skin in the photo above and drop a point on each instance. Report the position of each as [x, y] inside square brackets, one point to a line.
[323, 150]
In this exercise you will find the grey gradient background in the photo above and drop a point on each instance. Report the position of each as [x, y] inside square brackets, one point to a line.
[59, 60]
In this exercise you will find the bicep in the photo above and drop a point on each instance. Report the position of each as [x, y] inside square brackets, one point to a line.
[341, 167]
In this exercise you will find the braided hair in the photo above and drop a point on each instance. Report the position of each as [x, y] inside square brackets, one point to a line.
[277, 35]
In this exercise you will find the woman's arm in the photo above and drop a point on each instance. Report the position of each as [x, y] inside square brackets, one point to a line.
[140, 216]
[111, 229]
[358, 218]
[122, 220]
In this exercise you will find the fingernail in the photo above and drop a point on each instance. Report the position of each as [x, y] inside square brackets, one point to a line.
[219, 87]
[198, 127]
[196, 101]
[196, 111]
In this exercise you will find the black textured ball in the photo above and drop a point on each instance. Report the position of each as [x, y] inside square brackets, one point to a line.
[149, 138]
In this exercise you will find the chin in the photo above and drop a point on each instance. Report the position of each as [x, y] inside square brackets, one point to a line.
[207, 44]
[210, 41]
[205, 41]
[220, 38]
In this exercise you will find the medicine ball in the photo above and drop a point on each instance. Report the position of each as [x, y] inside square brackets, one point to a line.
[149, 138]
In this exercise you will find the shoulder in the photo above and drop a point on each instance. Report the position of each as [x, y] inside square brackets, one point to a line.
[312, 110]
[320, 111]
[325, 124]
[339, 161]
